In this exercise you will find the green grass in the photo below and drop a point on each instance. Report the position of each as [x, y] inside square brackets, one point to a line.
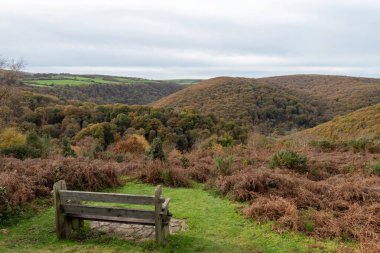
[214, 225]
[68, 80]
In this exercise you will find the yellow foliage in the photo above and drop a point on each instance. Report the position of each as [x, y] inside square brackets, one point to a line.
[363, 123]
[10, 137]
[134, 143]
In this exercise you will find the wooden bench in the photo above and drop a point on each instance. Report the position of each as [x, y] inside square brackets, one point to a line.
[70, 212]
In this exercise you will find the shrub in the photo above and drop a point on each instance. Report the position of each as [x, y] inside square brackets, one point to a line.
[21, 151]
[224, 165]
[11, 137]
[323, 146]
[375, 169]
[66, 148]
[156, 151]
[158, 172]
[275, 209]
[289, 160]
[226, 141]
[185, 162]
[135, 144]
[249, 161]
[88, 147]
[34, 147]
[105, 132]
[359, 145]
[24, 181]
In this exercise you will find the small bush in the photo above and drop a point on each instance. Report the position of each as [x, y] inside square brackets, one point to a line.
[66, 148]
[135, 144]
[158, 172]
[88, 147]
[24, 181]
[359, 145]
[21, 152]
[11, 137]
[224, 165]
[289, 160]
[249, 161]
[375, 168]
[185, 162]
[323, 146]
[226, 141]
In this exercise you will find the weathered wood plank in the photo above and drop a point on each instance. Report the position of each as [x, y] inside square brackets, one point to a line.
[126, 220]
[165, 205]
[62, 225]
[107, 211]
[108, 197]
[157, 217]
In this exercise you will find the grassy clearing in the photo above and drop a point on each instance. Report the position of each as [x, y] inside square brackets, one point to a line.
[68, 80]
[76, 80]
[214, 225]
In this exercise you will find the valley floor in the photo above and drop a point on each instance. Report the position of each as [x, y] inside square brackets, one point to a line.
[214, 225]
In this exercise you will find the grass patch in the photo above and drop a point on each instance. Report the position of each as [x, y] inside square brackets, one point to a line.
[214, 225]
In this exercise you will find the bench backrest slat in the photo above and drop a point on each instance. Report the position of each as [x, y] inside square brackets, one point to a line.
[107, 197]
[107, 211]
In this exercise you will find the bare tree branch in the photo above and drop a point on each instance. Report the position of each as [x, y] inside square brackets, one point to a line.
[9, 75]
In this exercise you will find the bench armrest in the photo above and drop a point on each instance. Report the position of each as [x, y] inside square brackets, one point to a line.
[165, 205]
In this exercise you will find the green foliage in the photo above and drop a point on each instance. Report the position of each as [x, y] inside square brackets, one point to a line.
[156, 151]
[66, 148]
[249, 161]
[185, 162]
[359, 145]
[309, 225]
[289, 160]
[21, 151]
[375, 168]
[226, 141]
[34, 147]
[120, 158]
[104, 132]
[121, 121]
[224, 165]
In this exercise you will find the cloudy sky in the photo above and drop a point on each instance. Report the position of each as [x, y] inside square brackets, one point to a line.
[165, 39]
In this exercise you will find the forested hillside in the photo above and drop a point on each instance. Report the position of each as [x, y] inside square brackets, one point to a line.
[134, 93]
[363, 123]
[339, 94]
[278, 104]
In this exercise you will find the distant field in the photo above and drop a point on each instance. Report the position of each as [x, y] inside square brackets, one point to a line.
[50, 80]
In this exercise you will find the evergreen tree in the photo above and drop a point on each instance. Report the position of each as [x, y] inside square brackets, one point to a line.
[66, 148]
[156, 151]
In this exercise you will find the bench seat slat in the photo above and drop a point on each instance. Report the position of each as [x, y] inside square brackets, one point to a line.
[107, 197]
[125, 220]
[71, 210]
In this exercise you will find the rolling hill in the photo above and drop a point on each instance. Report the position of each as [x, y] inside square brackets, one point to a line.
[362, 123]
[278, 103]
[103, 89]
[339, 94]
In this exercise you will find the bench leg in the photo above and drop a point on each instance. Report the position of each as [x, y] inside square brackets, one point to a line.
[77, 224]
[166, 231]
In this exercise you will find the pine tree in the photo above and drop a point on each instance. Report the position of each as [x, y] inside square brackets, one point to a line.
[66, 148]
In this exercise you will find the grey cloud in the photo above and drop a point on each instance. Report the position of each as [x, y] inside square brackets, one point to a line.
[157, 42]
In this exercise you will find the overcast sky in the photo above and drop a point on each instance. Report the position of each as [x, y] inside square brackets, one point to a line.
[164, 39]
